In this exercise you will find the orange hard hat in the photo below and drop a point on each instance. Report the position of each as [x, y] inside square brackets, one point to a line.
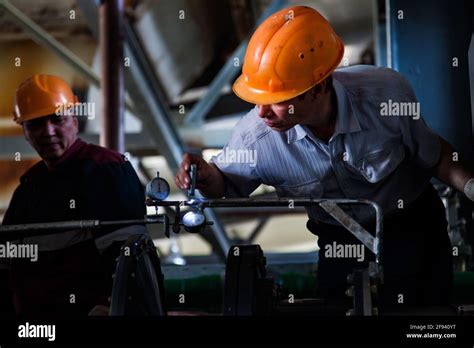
[289, 53]
[41, 95]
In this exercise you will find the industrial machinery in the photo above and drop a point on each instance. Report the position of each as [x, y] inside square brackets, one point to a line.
[138, 287]
[248, 289]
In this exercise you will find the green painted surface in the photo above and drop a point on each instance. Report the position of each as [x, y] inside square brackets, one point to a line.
[206, 292]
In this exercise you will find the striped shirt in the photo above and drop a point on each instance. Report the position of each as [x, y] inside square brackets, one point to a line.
[381, 149]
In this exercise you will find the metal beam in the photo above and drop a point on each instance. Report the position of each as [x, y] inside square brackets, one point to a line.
[256, 231]
[43, 38]
[350, 224]
[157, 119]
[11, 145]
[228, 71]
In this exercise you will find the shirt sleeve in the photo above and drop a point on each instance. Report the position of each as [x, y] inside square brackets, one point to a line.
[423, 144]
[238, 164]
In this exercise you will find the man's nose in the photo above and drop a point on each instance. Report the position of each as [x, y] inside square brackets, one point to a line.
[263, 110]
[49, 128]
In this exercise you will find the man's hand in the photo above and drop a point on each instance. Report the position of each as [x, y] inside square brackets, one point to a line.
[210, 180]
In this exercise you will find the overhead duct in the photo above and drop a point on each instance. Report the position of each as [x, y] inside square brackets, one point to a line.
[177, 62]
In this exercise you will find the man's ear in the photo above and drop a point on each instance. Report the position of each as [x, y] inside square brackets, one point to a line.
[320, 89]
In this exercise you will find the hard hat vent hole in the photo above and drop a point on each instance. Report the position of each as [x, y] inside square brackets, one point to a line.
[301, 56]
[312, 49]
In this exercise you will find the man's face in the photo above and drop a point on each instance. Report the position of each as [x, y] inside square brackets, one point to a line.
[285, 115]
[51, 135]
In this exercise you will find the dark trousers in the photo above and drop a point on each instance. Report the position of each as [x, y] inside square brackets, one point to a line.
[416, 256]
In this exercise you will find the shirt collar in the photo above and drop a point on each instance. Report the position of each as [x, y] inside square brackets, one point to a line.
[70, 153]
[296, 133]
[40, 168]
[346, 121]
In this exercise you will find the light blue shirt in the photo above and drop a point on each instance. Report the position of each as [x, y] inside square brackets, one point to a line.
[373, 153]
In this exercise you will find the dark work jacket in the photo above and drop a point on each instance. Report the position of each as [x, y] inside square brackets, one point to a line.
[88, 182]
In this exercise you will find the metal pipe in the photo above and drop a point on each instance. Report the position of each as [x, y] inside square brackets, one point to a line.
[111, 14]
[46, 228]
[374, 244]
[258, 202]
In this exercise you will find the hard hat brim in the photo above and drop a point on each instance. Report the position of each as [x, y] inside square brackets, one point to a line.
[258, 97]
[38, 114]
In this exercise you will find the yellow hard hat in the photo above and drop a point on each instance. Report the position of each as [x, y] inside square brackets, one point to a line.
[41, 95]
[289, 53]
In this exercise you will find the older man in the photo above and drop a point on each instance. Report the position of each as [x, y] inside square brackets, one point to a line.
[73, 181]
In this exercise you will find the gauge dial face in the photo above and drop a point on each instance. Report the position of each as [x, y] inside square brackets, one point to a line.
[193, 219]
[158, 189]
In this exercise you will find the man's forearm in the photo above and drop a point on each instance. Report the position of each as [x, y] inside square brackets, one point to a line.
[449, 171]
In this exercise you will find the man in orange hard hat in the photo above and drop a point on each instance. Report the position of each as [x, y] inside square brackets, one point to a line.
[323, 133]
[72, 273]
